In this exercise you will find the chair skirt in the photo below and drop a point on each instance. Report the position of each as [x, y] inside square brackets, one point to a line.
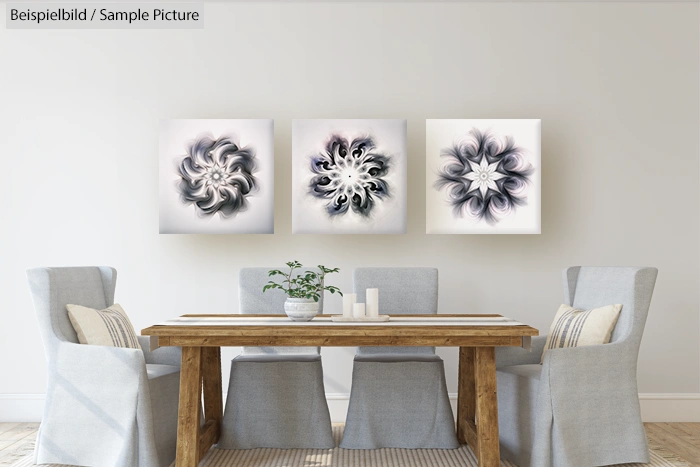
[276, 401]
[399, 401]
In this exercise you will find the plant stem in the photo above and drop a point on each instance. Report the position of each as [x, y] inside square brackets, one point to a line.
[289, 279]
[319, 287]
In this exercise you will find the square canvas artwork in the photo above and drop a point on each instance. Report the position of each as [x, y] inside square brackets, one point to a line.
[483, 176]
[216, 176]
[349, 176]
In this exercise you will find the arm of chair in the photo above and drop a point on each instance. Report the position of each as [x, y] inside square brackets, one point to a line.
[591, 393]
[97, 364]
[609, 368]
[162, 355]
[92, 399]
[509, 356]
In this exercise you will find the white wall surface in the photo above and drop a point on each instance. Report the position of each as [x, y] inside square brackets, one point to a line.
[615, 84]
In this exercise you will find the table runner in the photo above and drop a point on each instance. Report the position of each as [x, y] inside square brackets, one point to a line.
[325, 320]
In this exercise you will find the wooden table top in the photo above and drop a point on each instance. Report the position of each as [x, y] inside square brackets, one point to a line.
[439, 330]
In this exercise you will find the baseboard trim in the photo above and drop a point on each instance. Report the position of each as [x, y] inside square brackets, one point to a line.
[656, 407]
[670, 407]
[21, 407]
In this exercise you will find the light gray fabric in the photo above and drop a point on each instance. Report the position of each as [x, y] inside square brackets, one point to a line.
[104, 405]
[517, 400]
[404, 357]
[581, 408]
[156, 370]
[163, 386]
[399, 397]
[252, 300]
[402, 291]
[162, 355]
[508, 356]
[276, 394]
[401, 404]
[530, 371]
[265, 358]
[276, 402]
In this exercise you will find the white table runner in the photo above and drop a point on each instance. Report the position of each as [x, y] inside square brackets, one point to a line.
[325, 320]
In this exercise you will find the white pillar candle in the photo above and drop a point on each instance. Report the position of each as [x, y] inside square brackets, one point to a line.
[372, 303]
[349, 300]
[358, 310]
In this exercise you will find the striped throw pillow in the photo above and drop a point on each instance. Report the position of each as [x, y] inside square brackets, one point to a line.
[110, 327]
[573, 327]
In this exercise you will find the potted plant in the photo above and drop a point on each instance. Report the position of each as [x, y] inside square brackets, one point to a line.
[303, 289]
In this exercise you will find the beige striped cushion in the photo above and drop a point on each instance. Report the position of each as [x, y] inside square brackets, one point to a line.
[110, 327]
[573, 327]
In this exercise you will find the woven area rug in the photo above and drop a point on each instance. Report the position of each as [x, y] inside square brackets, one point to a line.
[462, 457]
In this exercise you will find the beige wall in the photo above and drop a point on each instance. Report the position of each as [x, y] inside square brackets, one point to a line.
[616, 87]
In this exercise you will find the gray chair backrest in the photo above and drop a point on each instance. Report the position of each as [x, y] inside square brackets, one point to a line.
[252, 300]
[402, 291]
[591, 287]
[54, 288]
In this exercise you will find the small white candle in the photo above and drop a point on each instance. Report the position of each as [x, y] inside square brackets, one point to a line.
[358, 310]
[372, 303]
[349, 300]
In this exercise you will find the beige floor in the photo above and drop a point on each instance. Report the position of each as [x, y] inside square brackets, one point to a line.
[681, 439]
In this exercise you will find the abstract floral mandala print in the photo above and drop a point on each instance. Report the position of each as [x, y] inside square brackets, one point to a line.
[217, 176]
[349, 175]
[484, 176]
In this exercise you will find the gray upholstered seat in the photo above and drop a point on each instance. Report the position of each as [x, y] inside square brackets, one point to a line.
[276, 397]
[399, 395]
[580, 407]
[105, 406]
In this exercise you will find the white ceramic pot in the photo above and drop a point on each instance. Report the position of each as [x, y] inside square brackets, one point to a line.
[301, 309]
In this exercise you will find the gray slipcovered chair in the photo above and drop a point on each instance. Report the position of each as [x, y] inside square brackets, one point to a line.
[276, 396]
[581, 406]
[399, 396]
[105, 406]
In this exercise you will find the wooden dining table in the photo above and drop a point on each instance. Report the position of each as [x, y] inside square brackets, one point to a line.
[202, 336]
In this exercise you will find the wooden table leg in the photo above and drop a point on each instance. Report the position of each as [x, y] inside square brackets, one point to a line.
[489, 453]
[477, 405]
[188, 434]
[466, 398]
[213, 400]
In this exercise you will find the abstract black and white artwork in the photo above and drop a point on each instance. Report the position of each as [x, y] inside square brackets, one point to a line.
[483, 176]
[349, 176]
[216, 176]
